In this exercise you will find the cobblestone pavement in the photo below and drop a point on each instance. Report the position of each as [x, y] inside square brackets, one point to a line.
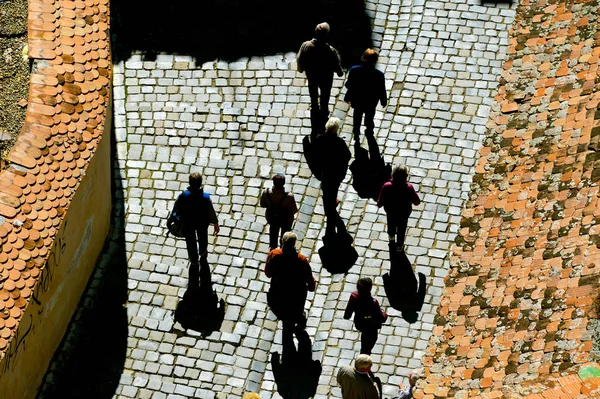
[238, 123]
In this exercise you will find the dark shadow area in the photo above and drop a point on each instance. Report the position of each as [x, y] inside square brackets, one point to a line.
[297, 376]
[337, 253]
[369, 171]
[90, 360]
[200, 308]
[401, 287]
[231, 29]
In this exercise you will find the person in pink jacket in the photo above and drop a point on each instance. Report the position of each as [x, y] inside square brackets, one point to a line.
[397, 198]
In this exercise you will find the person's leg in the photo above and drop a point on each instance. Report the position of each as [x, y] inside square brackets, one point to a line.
[369, 121]
[313, 91]
[287, 340]
[357, 122]
[192, 250]
[273, 235]
[330, 191]
[391, 227]
[339, 222]
[402, 226]
[325, 87]
[368, 338]
[285, 227]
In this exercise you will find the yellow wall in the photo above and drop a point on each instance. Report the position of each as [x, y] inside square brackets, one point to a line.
[76, 247]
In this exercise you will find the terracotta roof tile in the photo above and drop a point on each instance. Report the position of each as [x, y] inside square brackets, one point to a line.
[524, 268]
[65, 119]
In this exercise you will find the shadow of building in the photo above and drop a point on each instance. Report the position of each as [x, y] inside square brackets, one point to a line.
[231, 29]
[90, 360]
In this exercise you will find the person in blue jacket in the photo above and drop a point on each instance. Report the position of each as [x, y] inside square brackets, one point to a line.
[365, 88]
[197, 212]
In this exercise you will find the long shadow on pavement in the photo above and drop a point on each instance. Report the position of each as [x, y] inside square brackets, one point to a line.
[90, 360]
[232, 29]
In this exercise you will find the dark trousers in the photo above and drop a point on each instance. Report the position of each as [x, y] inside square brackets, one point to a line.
[397, 226]
[369, 114]
[324, 85]
[334, 221]
[368, 338]
[276, 231]
[196, 241]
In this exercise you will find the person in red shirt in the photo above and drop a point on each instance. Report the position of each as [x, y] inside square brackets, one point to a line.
[368, 316]
[397, 198]
[291, 279]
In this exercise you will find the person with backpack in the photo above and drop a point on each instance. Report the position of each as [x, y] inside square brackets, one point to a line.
[365, 88]
[368, 316]
[397, 198]
[196, 212]
[319, 61]
[291, 279]
[280, 209]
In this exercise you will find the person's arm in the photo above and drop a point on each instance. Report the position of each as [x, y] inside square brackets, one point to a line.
[384, 315]
[338, 64]
[349, 308]
[311, 281]
[349, 86]
[381, 196]
[293, 205]
[212, 217]
[264, 200]
[300, 58]
[414, 196]
[382, 91]
[268, 264]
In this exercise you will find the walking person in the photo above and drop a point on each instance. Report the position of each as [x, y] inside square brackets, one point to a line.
[365, 88]
[358, 382]
[291, 279]
[368, 316]
[280, 209]
[319, 61]
[197, 212]
[397, 198]
[332, 158]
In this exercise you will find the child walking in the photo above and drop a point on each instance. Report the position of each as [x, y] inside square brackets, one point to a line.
[368, 316]
[397, 198]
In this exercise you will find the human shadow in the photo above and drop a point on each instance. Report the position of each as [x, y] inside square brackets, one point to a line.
[401, 287]
[297, 374]
[232, 29]
[337, 253]
[200, 309]
[369, 170]
[89, 361]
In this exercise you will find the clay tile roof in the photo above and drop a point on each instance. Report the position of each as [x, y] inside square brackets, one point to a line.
[67, 108]
[514, 319]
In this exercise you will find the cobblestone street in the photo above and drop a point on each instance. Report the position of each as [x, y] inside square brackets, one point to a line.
[240, 122]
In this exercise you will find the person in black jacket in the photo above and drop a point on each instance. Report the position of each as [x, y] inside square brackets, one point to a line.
[365, 88]
[197, 211]
[332, 158]
[319, 60]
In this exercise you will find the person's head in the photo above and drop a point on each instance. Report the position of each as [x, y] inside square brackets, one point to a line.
[322, 31]
[400, 174]
[251, 395]
[370, 57]
[413, 377]
[288, 241]
[363, 363]
[332, 126]
[278, 180]
[196, 180]
[364, 285]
